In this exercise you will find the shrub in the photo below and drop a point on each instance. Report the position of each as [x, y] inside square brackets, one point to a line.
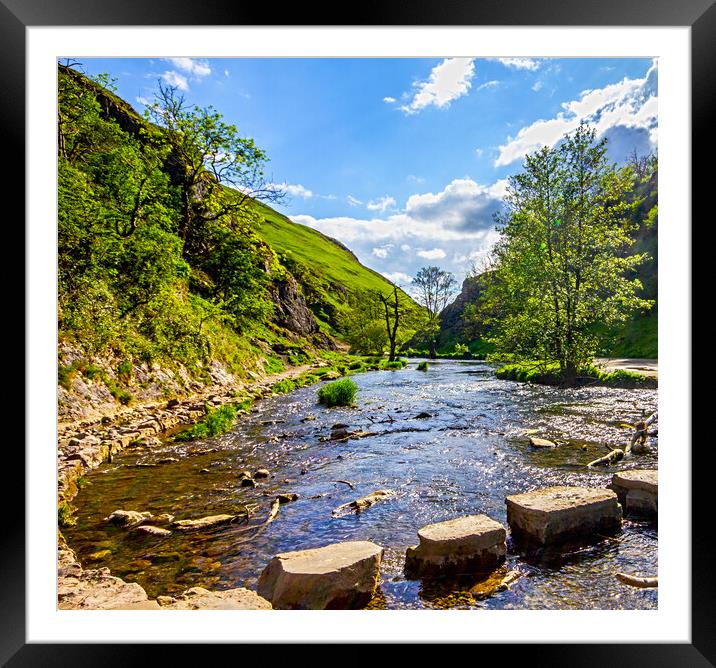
[283, 386]
[64, 515]
[395, 364]
[339, 393]
[124, 370]
[423, 366]
[217, 421]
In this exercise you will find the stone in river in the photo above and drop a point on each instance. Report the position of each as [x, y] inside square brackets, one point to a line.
[203, 523]
[638, 491]
[198, 598]
[471, 544]
[248, 482]
[262, 473]
[541, 443]
[335, 577]
[558, 514]
[150, 530]
[128, 518]
[287, 498]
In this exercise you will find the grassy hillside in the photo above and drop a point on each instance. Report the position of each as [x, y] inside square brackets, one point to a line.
[330, 275]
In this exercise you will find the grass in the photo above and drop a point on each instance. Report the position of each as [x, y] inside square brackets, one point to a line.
[338, 393]
[423, 366]
[217, 421]
[394, 365]
[65, 515]
[547, 373]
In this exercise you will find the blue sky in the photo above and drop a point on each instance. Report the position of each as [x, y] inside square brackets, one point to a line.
[404, 160]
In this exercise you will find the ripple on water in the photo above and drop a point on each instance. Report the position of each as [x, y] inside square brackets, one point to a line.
[464, 459]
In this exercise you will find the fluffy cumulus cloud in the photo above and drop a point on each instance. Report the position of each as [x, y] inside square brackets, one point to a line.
[398, 277]
[628, 107]
[176, 80]
[451, 228]
[447, 81]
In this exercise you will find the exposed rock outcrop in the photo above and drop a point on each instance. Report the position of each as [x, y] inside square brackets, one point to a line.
[291, 310]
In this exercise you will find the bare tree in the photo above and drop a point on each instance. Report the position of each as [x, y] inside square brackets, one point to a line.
[393, 313]
[435, 288]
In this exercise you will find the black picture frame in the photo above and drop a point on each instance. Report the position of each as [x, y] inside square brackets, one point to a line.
[699, 15]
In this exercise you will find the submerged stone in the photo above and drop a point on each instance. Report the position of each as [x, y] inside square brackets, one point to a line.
[149, 530]
[471, 544]
[541, 443]
[334, 577]
[558, 514]
[203, 522]
[128, 518]
[638, 491]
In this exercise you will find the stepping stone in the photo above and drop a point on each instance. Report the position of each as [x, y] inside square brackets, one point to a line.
[638, 491]
[198, 598]
[541, 443]
[150, 530]
[335, 577]
[558, 514]
[128, 518]
[471, 544]
[204, 522]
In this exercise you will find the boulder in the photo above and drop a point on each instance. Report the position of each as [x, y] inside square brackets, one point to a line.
[128, 518]
[471, 544]
[198, 598]
[203, 523]
[334, 577]
[287, 498]
[558, 514]
[637, 490]
[262, 473]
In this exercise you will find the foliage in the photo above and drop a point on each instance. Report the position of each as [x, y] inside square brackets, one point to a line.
[338, 393]
[563, 274]
[423, 366]
[435, 287]
[65, 515]
[548, 373]
[217, 421]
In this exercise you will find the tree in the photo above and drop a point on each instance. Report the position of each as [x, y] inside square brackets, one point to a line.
[396, 316]
[435, 287]
[206, 155]
[564, 275]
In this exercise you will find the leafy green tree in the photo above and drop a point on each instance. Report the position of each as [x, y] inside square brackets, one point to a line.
[564, 273]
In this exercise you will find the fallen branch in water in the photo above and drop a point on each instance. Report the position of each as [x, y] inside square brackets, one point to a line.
[361, 504]
[345, 482]
[273, 512]
[613, 457]
[635, 581]
[640, 434]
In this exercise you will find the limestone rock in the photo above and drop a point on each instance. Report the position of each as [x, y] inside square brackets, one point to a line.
[638, 491]
[149, 530]
[471, 544]
[262, 473]
[334, 577]
[128, 518]
[198, 598]
[287, 498]
[208, 522]
[541, 443]
[557, 514]
[362, 504]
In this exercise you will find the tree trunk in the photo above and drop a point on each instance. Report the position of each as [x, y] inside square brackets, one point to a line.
[433, 349]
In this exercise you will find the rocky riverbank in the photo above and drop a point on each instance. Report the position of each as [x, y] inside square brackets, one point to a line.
[84, 445]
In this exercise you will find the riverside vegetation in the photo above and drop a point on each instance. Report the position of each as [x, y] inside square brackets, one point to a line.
[185, 302]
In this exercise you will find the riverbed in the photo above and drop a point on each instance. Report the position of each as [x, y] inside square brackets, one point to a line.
[464, 458]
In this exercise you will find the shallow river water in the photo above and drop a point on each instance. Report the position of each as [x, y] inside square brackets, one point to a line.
[464, 459]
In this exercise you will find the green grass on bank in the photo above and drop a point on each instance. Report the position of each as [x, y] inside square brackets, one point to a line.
[547, 373]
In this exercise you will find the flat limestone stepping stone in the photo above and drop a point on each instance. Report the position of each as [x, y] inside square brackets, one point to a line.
[150, 530]
[557, 514]
[638, 491]
[198, 598]
[471, 544]
[335, 577]
[128, 518]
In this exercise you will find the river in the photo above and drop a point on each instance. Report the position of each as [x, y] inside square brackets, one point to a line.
[464, 459]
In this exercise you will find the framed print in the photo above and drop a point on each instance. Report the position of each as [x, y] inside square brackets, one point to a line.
[325, 318]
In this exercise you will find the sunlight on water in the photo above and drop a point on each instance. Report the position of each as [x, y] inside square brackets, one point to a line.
[465, 458]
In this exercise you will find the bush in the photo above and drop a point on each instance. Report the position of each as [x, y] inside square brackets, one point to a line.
[423, 366]
[395, 364]
[283, 386]
[65, 515]
[217, 421]
[339, 393]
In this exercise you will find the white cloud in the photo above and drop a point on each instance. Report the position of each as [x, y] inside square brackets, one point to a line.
[389, 100]
[143, 100]
[519, 63]
[414, 179]
[447, 81]
[381, 204]
[489, 84]
[294, 189]
[479, 152]
[174, 79]
[630, 103]
[353, 201]
[433, 254]
[192, 66]
[537, 86]
[405, 247]
[398, 277]
[383, 251]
